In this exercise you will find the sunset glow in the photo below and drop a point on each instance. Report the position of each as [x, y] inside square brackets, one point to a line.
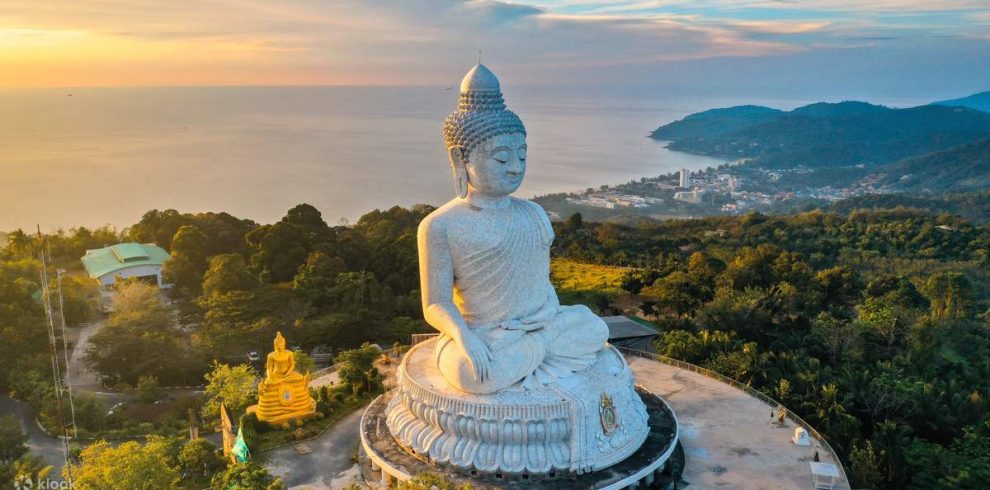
[305, 42]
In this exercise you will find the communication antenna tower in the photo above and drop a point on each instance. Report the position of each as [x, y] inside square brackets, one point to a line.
[62, 392]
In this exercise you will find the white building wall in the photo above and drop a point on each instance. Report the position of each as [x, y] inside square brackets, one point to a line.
[137, 271]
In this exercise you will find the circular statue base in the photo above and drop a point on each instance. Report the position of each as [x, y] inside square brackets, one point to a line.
[584, 422]
[389, 460]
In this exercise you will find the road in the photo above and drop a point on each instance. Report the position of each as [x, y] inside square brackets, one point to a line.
[81, 378]
[38, 442]
[329, 465]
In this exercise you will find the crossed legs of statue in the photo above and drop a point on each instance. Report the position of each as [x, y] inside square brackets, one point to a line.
[566, 344]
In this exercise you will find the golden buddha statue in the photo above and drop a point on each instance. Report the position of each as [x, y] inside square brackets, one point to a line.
[284, 393]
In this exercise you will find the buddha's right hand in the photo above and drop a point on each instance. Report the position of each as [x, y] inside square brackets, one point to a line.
[478, 354]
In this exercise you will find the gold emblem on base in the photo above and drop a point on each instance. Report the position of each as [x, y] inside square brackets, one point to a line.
[606, 411]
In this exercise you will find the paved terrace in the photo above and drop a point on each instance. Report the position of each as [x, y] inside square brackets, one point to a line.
[730, 438]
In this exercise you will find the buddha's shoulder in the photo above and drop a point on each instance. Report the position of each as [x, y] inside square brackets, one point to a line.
[457, 213]
[443, 217]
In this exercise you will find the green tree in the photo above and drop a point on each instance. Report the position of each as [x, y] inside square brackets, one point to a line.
[139, 305]
[680, 344]
[678, 291]
[575, 221]
[149, 390]
[304, 363]
[130, 465]
[139, 340]
[246, 476]
[431, 481]
[199, 455]
[316, 279]
[280, 248]
[227, 273]
[80, 296]
[864, 467]
[187, 262]
[12, 439]
[234, 386]
[951, 294]
[354, 367]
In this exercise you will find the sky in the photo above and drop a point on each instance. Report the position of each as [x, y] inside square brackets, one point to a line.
[877, 46]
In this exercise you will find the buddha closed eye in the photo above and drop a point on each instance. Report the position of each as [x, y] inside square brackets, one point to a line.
[502, 155]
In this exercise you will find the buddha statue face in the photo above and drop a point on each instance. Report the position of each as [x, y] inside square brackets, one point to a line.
[279, 343]
[495, 167]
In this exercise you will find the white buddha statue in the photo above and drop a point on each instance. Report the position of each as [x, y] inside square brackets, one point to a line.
[485, 261]
[516, 383]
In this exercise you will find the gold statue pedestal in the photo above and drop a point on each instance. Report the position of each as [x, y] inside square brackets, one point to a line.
[284, 402]
[283, 395]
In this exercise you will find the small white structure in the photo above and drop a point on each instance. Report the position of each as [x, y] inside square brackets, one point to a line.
[124, 261]
[826, 475]
[800, 437]
[693, 197]
[685, 178]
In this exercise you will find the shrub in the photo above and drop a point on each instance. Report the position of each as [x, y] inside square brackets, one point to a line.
[248, 424]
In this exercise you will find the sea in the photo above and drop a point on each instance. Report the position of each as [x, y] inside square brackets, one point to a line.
[104, 156]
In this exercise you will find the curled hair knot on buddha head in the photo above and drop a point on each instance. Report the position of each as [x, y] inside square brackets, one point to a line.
[480, 115]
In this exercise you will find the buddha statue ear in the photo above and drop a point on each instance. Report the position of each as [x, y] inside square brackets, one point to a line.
[458, 164]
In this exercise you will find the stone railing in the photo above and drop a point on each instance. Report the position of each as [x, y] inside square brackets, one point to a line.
[749, 390]
[325, 371]
[334, 367]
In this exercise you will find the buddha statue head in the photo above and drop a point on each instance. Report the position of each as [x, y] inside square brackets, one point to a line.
[279, 342]
[486, 143]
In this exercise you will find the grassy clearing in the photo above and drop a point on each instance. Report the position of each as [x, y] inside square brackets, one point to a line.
[569, 276]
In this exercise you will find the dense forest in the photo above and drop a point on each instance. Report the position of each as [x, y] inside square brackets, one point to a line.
[872, 324]
[960, 169]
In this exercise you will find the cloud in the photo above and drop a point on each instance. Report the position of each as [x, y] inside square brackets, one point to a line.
[108, 42]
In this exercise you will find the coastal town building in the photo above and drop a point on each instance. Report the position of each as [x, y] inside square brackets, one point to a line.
[693, 197]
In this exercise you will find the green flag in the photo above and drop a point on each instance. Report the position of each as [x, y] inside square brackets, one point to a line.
[240, 449]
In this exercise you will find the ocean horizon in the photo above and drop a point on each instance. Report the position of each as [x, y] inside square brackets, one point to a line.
[105, 156]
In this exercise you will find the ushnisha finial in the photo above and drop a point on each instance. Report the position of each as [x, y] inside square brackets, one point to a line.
[481, 112]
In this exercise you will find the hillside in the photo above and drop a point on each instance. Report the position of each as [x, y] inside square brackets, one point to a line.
[973, 206]
[845, 134]
[716, 122]
[845, 108]
[980, 101]
[960, 169]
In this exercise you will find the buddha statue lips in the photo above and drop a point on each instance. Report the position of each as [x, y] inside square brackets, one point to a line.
[485, 261]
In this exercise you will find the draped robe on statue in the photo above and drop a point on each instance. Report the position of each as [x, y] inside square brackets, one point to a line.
[503, 291]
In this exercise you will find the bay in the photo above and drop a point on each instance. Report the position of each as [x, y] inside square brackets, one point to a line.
[95, 156]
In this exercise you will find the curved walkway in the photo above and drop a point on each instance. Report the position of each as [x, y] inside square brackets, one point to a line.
[39, 443]
[730, 439]
[328, 465]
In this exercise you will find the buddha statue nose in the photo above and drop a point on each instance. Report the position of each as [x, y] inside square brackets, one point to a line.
[516, 166]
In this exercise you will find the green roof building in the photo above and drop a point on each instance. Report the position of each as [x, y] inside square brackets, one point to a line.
[126, 260]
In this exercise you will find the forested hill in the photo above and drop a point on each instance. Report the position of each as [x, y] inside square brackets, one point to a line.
[960, 169]
[974, 206]
[716, 122]
[827, 135]
[980, 101]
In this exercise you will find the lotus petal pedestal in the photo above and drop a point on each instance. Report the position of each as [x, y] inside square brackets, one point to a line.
[584, 422]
